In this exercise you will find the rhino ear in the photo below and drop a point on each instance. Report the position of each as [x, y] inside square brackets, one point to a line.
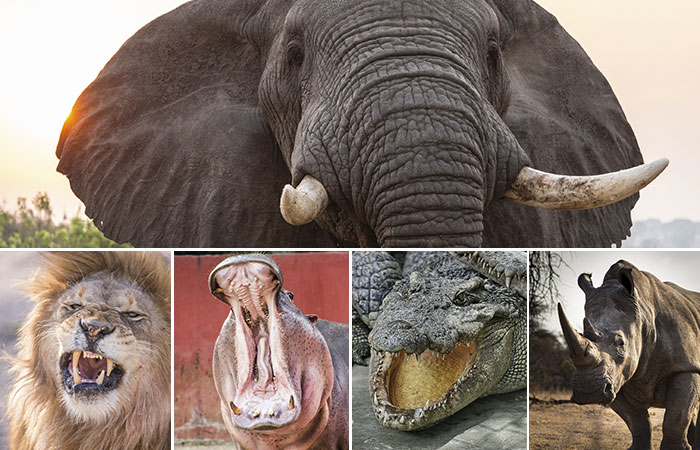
[168, 146]
[565, 116]
[585, 282]
[625, 277]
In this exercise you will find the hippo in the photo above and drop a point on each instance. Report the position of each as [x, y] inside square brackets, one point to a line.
[282, 376]
[640, 347]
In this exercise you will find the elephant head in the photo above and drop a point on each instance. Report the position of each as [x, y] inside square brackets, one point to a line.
[401, 123]
[608, 352]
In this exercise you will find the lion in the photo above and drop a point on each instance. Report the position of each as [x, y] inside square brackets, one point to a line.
[93, 366]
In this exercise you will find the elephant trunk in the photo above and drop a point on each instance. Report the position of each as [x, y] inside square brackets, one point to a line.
[427, 184]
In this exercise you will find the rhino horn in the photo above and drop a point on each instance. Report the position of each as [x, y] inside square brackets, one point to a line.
[590, 331]
[583, 352]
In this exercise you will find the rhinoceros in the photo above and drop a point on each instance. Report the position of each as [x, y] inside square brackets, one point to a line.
[640, 347]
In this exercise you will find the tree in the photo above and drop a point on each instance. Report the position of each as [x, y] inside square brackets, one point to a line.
[544, 291]
[34, 228]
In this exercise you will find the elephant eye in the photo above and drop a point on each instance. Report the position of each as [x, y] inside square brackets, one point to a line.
[295, 54]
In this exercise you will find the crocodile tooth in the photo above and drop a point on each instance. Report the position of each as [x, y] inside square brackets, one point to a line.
[402, 420]
[509, 280]
[418, 357]
[427, 402]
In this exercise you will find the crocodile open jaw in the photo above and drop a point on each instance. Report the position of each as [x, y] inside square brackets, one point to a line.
[407, 386]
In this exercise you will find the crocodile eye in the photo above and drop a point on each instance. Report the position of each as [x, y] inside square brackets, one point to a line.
[463, 298]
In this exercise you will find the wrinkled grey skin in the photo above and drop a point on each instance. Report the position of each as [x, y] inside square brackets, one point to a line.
[306, 358]
[416, 117]
[640, 348]
[439, 303]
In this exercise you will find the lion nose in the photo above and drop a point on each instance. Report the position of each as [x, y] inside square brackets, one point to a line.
[96, 328]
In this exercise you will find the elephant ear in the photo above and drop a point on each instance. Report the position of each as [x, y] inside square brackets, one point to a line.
[566, 117]
[168, 147]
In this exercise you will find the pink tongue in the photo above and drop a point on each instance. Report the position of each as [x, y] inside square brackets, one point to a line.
[90, 368]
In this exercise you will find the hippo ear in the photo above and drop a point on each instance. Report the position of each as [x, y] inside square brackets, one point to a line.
[565, 116]
[313, 318]
[168, 146]
[625, 277]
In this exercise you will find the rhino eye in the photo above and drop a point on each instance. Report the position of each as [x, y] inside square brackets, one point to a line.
[619, 342]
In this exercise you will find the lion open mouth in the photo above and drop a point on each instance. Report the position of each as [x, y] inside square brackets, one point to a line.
[85, 371]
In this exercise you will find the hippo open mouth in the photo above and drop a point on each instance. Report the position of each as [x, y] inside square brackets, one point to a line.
[263, 397]
[88, 373]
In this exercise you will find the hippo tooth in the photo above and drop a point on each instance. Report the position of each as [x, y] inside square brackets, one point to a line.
[76, 374]
[271, 412]
[291, 402]
[101, 378]
[110, 366]
[218, 290]
[236, 410]
[256, 413]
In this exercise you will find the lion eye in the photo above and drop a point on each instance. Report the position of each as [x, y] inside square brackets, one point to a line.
[133, 315]
[72, 306]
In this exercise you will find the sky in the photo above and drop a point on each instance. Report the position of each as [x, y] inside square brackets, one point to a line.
[15, 267]
[680, 267]
[52, 50]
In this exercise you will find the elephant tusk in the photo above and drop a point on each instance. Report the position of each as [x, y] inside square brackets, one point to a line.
[545, 190]
[303, 204]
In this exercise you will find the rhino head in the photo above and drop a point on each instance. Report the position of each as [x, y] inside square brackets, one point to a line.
[608, 352]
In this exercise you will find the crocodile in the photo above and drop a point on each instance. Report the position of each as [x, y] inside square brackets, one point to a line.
[446, 328]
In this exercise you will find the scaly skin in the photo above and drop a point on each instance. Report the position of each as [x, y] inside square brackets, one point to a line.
[446, 336]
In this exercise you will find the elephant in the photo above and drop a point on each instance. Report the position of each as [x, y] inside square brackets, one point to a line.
[399, 123]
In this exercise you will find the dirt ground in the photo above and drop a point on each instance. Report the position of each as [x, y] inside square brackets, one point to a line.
[584, 427]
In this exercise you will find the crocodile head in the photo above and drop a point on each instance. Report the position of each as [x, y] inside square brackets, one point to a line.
[444, 339]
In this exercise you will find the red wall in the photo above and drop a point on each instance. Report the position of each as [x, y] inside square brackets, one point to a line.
[319, 282]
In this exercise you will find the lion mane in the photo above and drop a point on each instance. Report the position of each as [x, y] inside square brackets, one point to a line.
[137, 413]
